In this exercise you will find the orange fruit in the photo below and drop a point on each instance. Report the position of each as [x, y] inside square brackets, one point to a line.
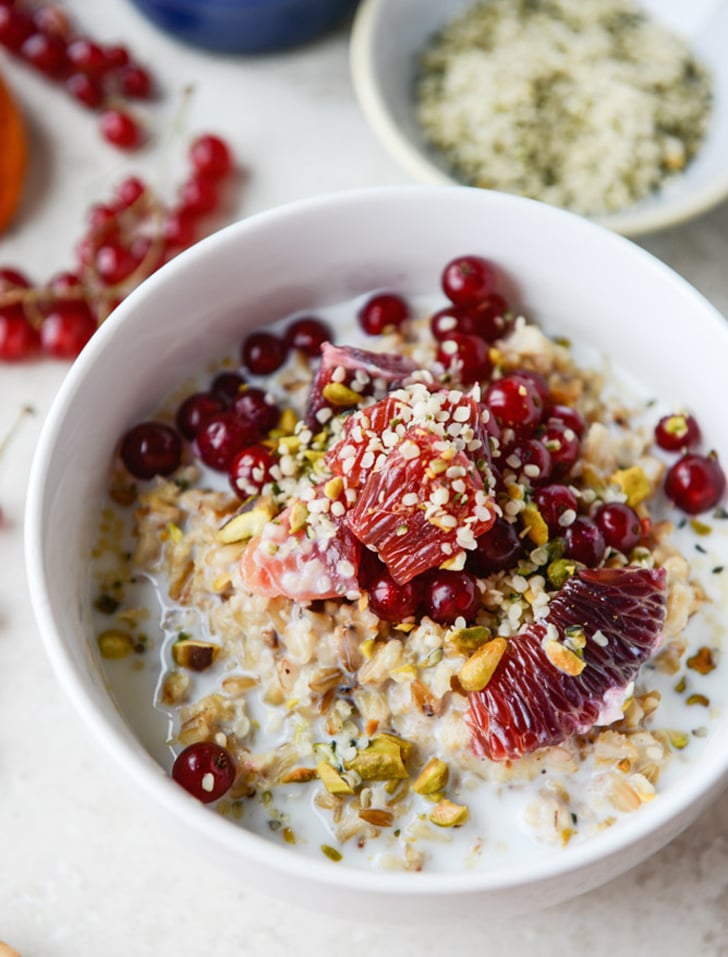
[13, 155]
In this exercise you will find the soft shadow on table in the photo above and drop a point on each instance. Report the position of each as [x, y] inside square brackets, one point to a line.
[40, 170]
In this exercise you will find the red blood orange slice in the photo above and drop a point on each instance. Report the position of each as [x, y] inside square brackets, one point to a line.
[426, 504]
[300, 565]
[366, 373]
[529, 703]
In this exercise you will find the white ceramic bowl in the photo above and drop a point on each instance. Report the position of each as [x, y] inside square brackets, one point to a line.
[587, 282]
[387, 38]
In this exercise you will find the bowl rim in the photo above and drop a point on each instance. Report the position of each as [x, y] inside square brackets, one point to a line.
[671, 809]
[632, 221]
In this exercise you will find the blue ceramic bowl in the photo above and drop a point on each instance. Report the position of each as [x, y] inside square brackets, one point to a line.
[245, 26]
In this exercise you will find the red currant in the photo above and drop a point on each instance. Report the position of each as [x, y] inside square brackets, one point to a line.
[263, 353]
[198, 196]
[220, 438]
[382, 313]
[390, 601]
[15, 27]
[569, 417]
[121, 129]
[307, 334]
[227, 386]
[251, 470]
[211, 156]
[620, 525]
[86, 56]
[489, 318]
[451, 595]
[584, 541]
[13, 279]
[255, 411]
[52, 20]
[85, 89]
[195, 410]
[18, 339]
[129, 192]
[468, 280]
[535, 461]
[557, 505]
[515, 402]
[114, 263]
[563, 444]
[538, 382]
[179, 230]
[466, 357]
[449, 320]
[45, 52]
[499, 548]
[676, 433]
[204, 769]
[67, 327]
[116, 57]
[134, 81]
[695, 482]
[149, 449]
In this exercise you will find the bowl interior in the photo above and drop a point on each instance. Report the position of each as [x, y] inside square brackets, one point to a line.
[386, 42]
[579, 280]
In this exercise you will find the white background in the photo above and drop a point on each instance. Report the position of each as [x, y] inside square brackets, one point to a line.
[85, 870]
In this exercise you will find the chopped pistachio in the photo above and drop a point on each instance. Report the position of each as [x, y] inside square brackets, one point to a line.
[331, 853]
[480, 666]
[287, 422]
[340, 395]
[289, 444]
[115, 643]
[538, 530]
[334, 487]
[700, 528]
[299, 775]
[454, 563]
[449, 814]
[332, 780]
[698, 699]
[194, 654]
[383, 759]
[634, 483]
[702, 661]
[563, 658]
[559, 571]
[432, 778]
[246, 524]
[288, 835]
[298, 516]
[378, 817]
[468, 639]
[175, 532]
[678, 739]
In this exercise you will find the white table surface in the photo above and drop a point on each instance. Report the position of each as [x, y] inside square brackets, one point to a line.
[85, 870]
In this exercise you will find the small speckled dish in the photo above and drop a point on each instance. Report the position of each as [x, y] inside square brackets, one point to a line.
[388, 37]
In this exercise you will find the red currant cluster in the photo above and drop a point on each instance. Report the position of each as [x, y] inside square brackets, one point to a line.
[228, 422]
[99, 77]
[127, 239]
[694, 483]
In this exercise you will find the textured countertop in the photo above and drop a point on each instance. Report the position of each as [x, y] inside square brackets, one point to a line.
[85, 871]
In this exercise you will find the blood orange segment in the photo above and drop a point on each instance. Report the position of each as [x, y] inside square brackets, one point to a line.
[362, 372]
[530, 703]
[300, 565]
[371, 433]
[423, 507]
